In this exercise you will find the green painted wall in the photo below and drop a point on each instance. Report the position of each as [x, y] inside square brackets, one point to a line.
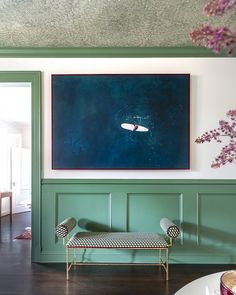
[204, 210]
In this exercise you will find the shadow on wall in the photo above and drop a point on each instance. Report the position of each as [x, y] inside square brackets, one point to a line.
[213, 235]
[93, 226]
[203, 240]
[206, 235]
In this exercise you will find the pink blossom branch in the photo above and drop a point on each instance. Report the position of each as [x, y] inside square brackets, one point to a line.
[228, 129]
[227, 155]
[218, 7]
[215, 38]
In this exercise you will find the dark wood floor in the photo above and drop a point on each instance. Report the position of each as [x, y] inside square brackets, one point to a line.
[19, 276]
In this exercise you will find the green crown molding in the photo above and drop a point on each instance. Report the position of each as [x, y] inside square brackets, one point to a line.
[72, 52]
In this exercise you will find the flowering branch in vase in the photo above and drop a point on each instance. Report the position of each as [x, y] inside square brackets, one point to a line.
[216, 38]
[225, 129]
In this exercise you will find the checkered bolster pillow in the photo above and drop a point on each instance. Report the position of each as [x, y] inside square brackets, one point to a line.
[63, 228]
[169, 228]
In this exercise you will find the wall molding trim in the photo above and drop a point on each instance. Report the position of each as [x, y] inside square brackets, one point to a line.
[105, 52]
[140, 181]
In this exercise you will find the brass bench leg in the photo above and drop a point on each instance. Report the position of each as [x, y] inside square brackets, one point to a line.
[67, 264]
[160, 256]
[164, 263]
[167, 264]
[74, 259]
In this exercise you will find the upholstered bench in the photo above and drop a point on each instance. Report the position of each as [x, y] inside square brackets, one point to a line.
[117, 240]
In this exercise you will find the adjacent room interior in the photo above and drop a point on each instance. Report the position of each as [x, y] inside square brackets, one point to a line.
[15, 148]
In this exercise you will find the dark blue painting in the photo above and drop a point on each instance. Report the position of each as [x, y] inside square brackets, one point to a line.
[113, 121]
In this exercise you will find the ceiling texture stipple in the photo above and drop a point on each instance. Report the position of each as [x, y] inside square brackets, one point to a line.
[102, 23]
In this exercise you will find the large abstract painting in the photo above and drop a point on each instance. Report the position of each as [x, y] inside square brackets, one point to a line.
[120, 121]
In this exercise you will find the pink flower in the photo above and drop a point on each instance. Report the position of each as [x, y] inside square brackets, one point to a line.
[218, 7]
[214, 38]
[225, 129]
[231, 113]
[227, 155]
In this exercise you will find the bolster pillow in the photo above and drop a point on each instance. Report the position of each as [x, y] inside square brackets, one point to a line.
[66, 226]
[169, 228]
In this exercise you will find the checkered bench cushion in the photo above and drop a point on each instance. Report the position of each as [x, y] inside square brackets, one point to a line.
[116, 240]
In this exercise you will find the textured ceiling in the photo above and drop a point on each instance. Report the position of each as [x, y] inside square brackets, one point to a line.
[102, 23]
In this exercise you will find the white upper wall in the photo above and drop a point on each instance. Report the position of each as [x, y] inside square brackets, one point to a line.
[12, 97]
[213, 93]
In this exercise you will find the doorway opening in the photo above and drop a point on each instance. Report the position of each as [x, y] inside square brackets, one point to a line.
[15, 146]
[34, 79]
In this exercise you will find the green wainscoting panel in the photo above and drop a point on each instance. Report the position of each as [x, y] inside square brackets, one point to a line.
[215, 220]
[204, 210]
[150, 208]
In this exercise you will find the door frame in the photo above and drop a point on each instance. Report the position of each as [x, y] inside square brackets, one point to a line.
[33, 77]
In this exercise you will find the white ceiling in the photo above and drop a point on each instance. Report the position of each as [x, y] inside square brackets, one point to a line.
[102, 23]
[15, 102]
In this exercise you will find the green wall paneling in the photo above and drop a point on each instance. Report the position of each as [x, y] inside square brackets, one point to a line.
[202, 208]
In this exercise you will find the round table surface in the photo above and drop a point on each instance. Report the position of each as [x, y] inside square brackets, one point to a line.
[208, 285]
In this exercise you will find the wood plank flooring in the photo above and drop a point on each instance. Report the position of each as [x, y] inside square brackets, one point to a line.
[19, 276]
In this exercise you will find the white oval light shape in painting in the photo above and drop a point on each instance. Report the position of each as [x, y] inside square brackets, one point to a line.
[134, 127]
